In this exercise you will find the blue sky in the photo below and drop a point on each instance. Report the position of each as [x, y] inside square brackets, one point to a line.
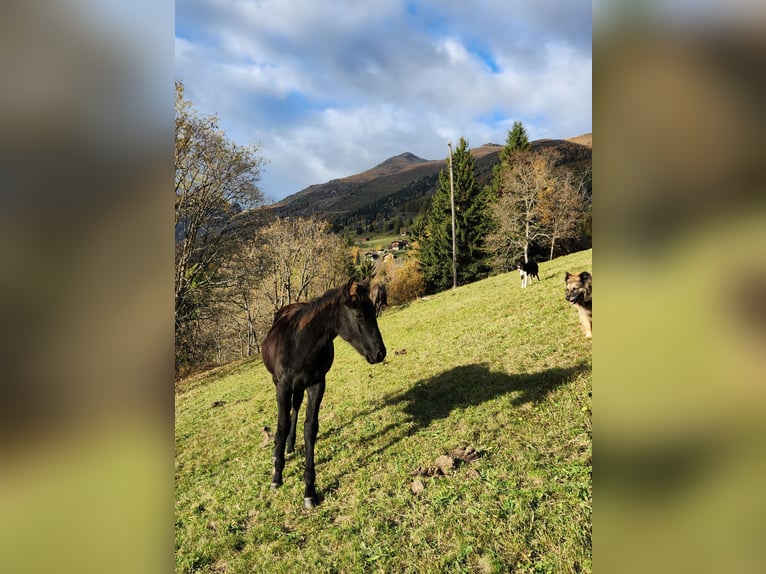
[329, 88]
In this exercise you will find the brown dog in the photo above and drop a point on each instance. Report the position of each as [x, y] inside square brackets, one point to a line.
[579, 292]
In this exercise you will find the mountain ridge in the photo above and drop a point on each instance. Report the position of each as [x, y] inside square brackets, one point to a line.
[401, 184]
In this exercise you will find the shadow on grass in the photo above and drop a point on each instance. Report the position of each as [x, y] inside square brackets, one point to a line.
[436, 397]
[471, 385]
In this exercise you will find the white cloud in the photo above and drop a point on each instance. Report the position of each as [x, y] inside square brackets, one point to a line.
[454, 50]
[262, 78]
[332, 88]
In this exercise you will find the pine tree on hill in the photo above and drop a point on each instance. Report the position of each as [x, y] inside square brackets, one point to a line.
[471, 223]
[516, 141]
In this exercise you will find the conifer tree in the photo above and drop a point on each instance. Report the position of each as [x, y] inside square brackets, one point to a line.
[471, 224]
[516, 141]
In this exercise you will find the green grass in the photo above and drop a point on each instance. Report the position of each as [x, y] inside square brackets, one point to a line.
[505, 370]
[380, 239]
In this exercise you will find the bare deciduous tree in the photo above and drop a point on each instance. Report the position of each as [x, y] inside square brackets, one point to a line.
[214, 180]
[560, 206]
[539, 201]
[286, 261]
[301, 259]
[516, 212]
[242, 274]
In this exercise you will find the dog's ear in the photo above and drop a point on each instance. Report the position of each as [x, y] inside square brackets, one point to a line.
[567, 276]
[585, 276]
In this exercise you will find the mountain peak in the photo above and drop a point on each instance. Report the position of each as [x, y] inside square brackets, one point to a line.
[390, 166]
[402, 160]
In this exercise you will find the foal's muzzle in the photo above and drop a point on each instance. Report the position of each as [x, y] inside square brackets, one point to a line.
[378, 357]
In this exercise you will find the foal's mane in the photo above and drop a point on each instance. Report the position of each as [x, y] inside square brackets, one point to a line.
[321, 303]
[304, 311]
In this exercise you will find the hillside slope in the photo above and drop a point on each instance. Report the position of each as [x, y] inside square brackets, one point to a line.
[489, 365]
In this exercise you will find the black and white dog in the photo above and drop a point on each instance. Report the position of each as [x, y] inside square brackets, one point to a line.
[527, 270]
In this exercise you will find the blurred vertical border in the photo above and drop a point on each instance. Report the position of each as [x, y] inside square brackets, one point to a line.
[86, 302]
[680, 212]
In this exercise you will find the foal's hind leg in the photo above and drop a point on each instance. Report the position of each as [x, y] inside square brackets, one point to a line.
[297, 400]
[310, 430]
[283, 425]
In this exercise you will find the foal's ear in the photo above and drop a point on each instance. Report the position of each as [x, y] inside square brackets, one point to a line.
[350, 289]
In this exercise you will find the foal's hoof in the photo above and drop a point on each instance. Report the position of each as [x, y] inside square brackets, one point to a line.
[309, 502]
[275, 485]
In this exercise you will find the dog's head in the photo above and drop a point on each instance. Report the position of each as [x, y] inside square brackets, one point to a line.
[579, 287]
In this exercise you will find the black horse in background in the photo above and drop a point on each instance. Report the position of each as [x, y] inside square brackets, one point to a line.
[379, 296]
[298, 352]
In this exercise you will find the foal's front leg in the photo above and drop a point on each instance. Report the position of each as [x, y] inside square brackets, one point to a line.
[283, 425]
[310, 431]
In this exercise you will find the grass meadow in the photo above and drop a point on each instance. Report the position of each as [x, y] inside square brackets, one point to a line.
[502, 369]
[379, 240]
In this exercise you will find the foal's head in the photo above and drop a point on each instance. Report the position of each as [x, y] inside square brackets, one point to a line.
[357, 322]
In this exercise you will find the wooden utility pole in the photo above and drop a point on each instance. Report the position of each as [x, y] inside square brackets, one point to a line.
[452, 203]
